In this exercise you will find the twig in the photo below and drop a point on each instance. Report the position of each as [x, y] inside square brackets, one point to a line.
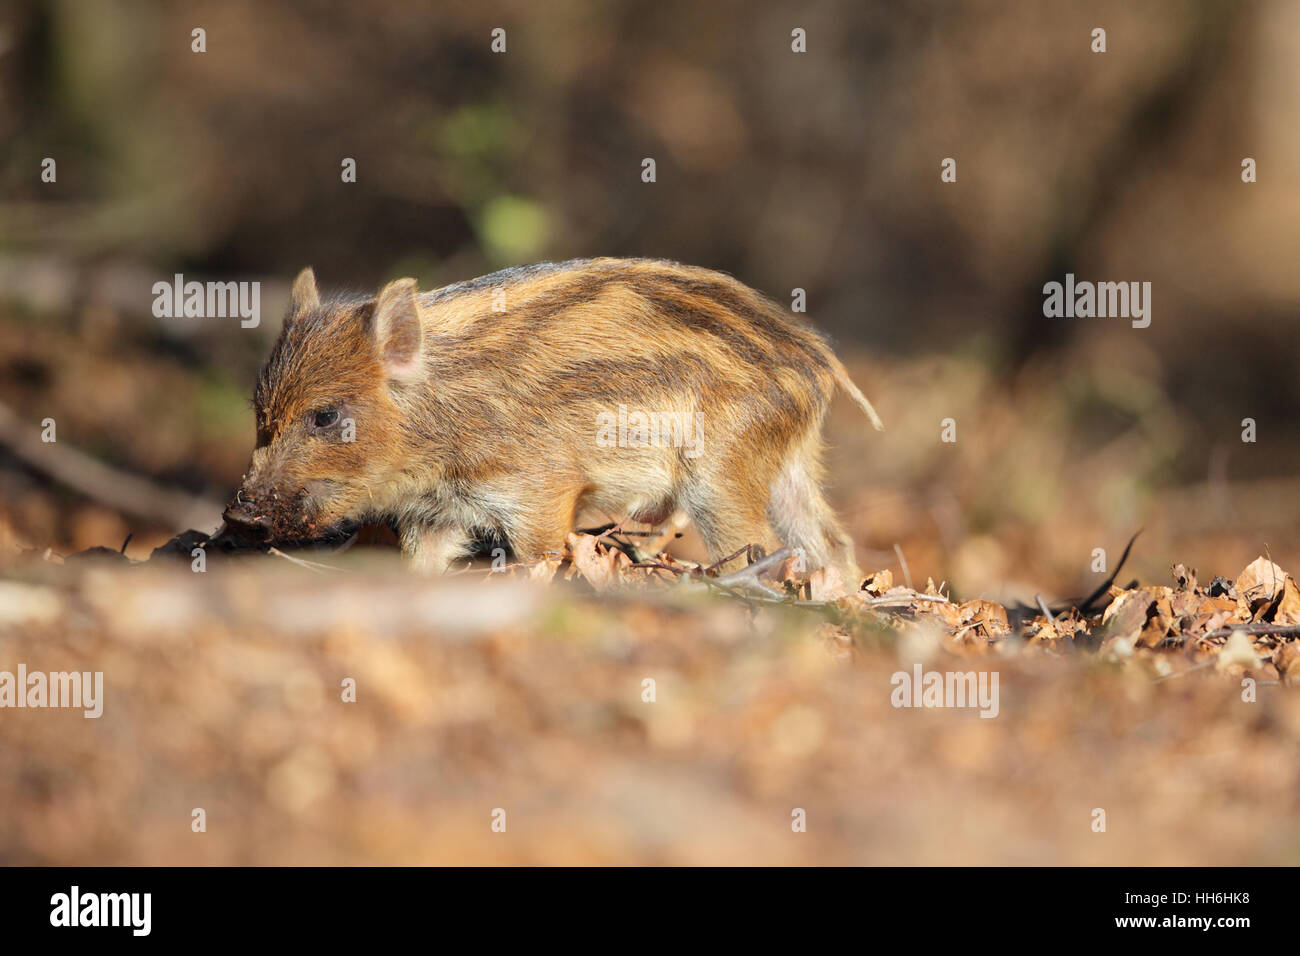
[614, 527]
[731, 557]
[470, 569]
[748, 577]
[1047, 612]
[902, 562]
[1290, 630]
[1084, 608]
[660, 566]
[1183, 673]
[352, 539]
[309, 565]
[771, 598]
[903, 600]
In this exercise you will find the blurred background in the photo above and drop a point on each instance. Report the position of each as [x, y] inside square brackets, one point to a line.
[816, 170]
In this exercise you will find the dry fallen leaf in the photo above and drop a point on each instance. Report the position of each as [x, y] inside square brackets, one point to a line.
[1127, 614]
[1161, 623]
[1287, 661]
[878, 583]
[1185, 577]
[1259, 583]
[1288, 608]
[545, 569]
[827, 584]
[601, 567]
[990, 616]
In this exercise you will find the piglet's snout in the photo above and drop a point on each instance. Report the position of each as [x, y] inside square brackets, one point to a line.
[244, 516]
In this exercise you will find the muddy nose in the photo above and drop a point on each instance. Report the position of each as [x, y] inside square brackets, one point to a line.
[244, 517]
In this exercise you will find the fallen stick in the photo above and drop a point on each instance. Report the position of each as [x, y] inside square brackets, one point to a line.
[1259, 630]
[902, 563]
[731, 557]
[303, 562]
[103, 483]
[748, 577]
[660, 566]
[902, 600]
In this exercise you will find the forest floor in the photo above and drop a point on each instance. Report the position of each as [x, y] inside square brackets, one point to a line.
[352, 712]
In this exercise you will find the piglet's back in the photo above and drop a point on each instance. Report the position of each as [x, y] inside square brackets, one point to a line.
[624, 329]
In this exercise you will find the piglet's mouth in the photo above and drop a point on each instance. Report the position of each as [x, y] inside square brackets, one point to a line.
[269, 522]
[252, 525]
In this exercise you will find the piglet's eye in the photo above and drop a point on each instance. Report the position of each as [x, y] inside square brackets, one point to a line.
[325, 417]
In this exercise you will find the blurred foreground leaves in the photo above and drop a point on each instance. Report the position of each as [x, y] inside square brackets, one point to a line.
[481, 691]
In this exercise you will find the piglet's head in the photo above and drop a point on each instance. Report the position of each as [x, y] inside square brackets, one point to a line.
[332, 433]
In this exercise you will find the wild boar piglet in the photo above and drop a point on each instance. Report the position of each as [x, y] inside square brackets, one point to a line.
[503, 407]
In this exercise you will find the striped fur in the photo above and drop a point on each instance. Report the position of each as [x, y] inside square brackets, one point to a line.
[474, 422]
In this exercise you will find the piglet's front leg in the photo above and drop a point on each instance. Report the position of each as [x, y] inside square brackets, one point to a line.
[432, 549]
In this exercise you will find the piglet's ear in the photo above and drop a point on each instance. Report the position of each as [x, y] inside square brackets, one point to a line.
[304, 297]
[397, 331]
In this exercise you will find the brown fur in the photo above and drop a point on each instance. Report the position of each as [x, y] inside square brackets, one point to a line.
[472, 422]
